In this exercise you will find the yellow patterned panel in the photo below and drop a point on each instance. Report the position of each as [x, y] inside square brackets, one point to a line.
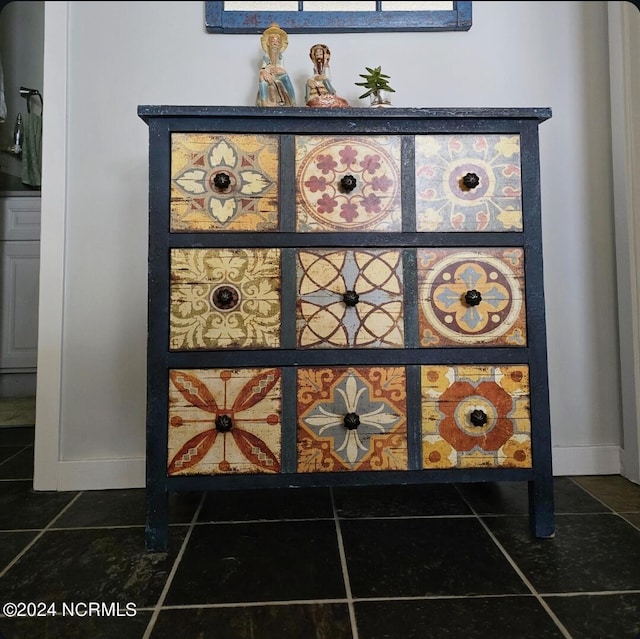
[224, 421]
[323, 203]
[468, 182]
[224, 182]
[471, 297]
[225, 298]
[475, 416]
[350, 298]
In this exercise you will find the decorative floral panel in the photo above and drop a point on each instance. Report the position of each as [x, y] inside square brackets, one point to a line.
[224, 421]
[224, 182]
[225, 298]
[352, 419]
[468, 182]
[471, 297]
[475, 416]
[348, 183]
[349, 299]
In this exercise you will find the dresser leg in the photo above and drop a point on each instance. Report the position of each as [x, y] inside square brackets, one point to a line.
[157, 529]
[541, 508]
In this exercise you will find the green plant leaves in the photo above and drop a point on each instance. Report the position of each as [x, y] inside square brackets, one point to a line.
[374, 81]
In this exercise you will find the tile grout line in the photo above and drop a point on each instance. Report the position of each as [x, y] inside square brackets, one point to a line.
[158, 607]
[586, 490]
[38, 536]
[615, 511]
[8, 459]
[345, 571]
[518, 571]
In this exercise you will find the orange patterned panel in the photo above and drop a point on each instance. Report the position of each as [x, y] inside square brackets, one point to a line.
[224, 421]
[350, 298]
[224, 182]
[352, 419]
[468, 182]
[323, 203]
[475, 416]
[471, 297]
[224, 298]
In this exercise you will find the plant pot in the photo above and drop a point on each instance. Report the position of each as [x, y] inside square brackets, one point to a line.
[379, 99]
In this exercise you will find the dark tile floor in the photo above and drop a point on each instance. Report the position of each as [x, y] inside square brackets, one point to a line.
[410, 562]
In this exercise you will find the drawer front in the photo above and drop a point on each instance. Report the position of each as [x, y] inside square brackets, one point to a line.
[349, 298]
[351, 419]
[224, 182]
[225, 298]
[369, 201]
[471, 297]
[20, 218]
[468, 182]
[224, 421]
[475, 416]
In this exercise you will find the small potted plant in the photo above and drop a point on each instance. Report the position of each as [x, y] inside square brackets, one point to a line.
[377, 85]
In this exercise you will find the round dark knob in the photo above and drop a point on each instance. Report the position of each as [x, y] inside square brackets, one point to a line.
[221, 181]
[350, 298]
[478, 417]
[225, 298]
[472, 297]
[471, 180]
[223, 423]
[351, 421]
[348, 183]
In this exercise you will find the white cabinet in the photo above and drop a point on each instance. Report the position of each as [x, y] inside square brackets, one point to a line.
[20, 259]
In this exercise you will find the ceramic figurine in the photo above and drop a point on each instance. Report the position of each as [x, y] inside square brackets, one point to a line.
[319, 91]
[274, 85]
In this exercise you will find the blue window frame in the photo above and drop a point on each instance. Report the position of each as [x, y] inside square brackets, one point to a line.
[221, 20]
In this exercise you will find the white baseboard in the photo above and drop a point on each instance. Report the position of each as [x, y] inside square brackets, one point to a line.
[586, 460]
[103, 474]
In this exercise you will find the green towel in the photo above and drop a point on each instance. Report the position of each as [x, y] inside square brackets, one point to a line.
[32, 149]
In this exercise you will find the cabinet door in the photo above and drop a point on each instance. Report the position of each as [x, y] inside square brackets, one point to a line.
[19, 295]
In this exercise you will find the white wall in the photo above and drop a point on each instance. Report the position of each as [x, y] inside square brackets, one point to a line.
[91, 394]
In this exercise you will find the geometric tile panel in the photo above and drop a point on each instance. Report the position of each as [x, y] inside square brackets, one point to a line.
[225, 298]
[224, 182]
[468, 182]
[475, 416]
[348, 183]
[471, 297]
[352, 419]
[349, 298]
[224, 421]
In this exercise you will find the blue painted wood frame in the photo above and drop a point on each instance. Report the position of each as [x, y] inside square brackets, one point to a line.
[217, 20]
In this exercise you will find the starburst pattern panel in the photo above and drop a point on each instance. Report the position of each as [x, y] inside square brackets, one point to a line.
[349, 299]
[348, 184]
[352, 419]
[224, 421]
[475, 416]
[472, 297]
[225, 298]
[224, 182]
[468, 183]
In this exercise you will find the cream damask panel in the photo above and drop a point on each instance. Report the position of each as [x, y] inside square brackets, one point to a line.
[225, 298]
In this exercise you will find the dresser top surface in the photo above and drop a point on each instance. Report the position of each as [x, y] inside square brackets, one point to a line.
[149, 112]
